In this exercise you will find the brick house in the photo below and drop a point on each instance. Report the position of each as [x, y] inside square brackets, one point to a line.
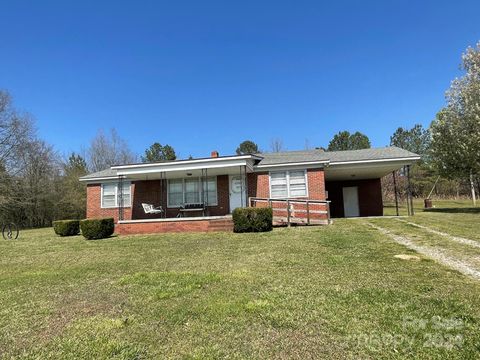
[200, 194]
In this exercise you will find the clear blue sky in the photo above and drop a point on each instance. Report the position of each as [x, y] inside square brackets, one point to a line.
[204, 75]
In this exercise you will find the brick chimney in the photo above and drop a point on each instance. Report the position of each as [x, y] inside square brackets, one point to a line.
[214, 154]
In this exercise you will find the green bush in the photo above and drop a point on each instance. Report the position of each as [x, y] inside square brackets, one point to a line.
[252, 219]
[97, 228]
[66, 227]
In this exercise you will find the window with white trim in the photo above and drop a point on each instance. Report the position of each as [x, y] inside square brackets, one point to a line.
[285, 184]
[111, 195]
[189, 191]
[210, 191]
[192, 191]
[175, 192]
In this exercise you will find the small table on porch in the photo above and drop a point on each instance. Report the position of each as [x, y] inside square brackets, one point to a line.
[190, 208]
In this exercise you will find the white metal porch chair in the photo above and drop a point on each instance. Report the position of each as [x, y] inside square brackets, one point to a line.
[150, 209]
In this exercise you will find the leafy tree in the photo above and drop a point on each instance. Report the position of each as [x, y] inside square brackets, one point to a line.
[73, 201]
[75, 165]
[340, 141]
[158, 153]
[359, 141]
[346, 141]
[456, 129]
[416, 139]
[247, 147]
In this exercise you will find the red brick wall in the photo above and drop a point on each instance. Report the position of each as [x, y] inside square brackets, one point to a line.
[175, 225]
[259, 186]
[223, 196]
[369, 196]
[148, 191]
[94, 207]
[316, 184]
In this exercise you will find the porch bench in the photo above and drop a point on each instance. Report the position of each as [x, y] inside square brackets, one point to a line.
[190, 208]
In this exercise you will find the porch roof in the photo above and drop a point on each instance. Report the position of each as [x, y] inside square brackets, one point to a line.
[224, 165]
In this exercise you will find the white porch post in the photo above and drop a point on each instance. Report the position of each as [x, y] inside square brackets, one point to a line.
[120, 197]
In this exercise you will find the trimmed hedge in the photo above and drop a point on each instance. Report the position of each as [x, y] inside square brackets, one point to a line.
[252, 219]
[97, 228]
[66, 227]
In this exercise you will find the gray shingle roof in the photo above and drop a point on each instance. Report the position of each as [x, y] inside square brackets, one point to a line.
[383, 153]
[288, 157]
[100, 174]
[390, 152]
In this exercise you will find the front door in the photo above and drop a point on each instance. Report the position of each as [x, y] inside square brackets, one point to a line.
[238, 196]
[350, 201]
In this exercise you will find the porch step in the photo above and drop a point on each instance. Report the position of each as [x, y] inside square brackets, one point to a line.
[220, 225]
[281, 221]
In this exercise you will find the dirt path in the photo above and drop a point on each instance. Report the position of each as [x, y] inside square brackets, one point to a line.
[457, 239]
[433, 253]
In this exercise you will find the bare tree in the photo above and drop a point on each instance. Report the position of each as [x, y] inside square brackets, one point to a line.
[15, 131]
[33, 195]
[105, 151]
[307, 145]
[276, 145]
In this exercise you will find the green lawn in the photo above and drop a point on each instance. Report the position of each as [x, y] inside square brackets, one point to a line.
[311, 292]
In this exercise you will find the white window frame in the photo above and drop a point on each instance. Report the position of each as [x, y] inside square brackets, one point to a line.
[183, 191]
[116, 195]
[287, 175]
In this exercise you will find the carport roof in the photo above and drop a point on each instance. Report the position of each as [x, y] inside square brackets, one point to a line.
[331, 157]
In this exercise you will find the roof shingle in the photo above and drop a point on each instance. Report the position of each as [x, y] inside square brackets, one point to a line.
[289, 157]
[285, 157]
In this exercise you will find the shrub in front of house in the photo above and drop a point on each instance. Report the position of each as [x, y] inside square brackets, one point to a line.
[97, 228]
[251, 219]
[66, 227]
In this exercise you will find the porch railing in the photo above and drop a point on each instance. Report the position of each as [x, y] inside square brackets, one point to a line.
[288, 208]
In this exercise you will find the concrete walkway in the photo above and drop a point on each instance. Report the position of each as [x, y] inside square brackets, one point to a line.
[457, 239]
[433, 253]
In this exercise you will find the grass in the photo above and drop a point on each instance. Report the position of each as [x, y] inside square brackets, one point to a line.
[318, 292]
[457, 217]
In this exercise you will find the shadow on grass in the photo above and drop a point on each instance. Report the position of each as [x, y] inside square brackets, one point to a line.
[103, 238]
[465, 210]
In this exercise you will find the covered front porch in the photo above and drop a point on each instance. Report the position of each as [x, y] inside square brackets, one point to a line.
[199, 190]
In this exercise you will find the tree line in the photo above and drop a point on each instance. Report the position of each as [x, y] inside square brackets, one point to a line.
[38, 185]
[450, 147]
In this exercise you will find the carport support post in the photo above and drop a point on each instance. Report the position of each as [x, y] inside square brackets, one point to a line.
[405, 173]
[410, 199]
[395, 190]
